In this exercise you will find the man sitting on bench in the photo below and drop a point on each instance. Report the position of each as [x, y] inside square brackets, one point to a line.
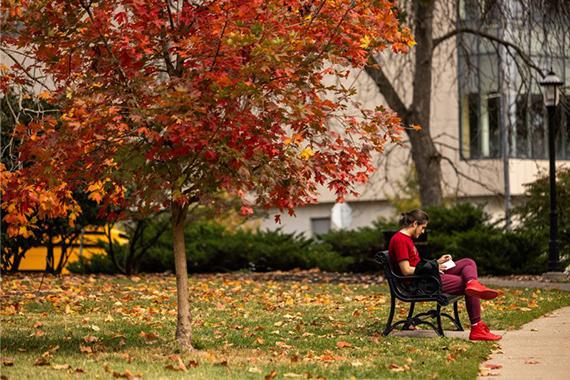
[460, 279]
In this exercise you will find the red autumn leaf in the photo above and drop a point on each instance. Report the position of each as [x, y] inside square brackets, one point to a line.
[342, 344]
[271, 375]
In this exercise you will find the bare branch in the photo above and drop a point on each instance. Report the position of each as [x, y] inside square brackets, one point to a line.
[505, 43]
[24, 69]
[460, 174]
[386, 88]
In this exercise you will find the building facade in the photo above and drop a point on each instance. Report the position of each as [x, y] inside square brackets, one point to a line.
[487, 115]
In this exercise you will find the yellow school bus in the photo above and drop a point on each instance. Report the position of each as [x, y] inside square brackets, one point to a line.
[87, 244]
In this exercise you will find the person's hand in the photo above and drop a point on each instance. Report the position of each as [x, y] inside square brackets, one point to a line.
[443, 259]
[441, 268]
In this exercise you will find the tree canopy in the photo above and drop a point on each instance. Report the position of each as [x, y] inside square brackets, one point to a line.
[181, 100]
[187, 98]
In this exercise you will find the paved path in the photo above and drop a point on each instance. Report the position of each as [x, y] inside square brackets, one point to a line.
[539, 350]
[506, 283]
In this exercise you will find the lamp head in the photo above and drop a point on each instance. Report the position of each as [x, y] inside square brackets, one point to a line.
[550, 84]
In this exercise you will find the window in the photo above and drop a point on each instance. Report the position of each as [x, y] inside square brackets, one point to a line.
[530, 128]
[320, 226]
[481, 129]
[497, 89]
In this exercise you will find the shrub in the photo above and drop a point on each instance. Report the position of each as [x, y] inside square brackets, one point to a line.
[358, 245]
[534, 214]
[96, 263]
[499, 253]
[463, 230]
[210, 247]
[457, 218]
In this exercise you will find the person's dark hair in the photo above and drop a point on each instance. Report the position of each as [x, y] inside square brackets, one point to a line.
[416, 215]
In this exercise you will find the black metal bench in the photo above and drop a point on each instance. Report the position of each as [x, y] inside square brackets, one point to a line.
[413, 289]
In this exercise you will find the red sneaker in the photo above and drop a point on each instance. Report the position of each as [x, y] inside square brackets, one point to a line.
[476, 289]
[481, 332]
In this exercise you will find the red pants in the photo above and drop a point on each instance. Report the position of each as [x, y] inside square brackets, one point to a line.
[454, 280]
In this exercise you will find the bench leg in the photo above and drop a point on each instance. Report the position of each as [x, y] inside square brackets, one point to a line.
[409, 319]
[439, 330]
[389, 326]
[456, 317]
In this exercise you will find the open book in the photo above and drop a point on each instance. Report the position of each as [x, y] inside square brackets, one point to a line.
[448, 265]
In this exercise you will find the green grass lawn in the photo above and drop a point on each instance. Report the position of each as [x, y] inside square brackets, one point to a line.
[83, 327]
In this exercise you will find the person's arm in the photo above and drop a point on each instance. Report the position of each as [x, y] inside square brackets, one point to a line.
[406, 268]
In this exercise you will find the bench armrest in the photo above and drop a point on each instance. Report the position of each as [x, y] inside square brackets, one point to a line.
[420, 285]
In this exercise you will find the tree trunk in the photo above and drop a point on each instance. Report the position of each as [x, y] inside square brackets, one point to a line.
[50, 256]
[184, 323]
[424, 153]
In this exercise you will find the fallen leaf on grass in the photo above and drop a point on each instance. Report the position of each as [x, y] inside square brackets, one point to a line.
[149, 336]
[330, 357]
[61, 366]
[85, 349]
[342, 344]
[282, 345]
[127, 375]
[271, 375]
[95, 328]
[126, 357]
[292, 375]
[178, 366]
[396, 368]
[356, 363]
[48, 353]
[192, 364]
[41, 361]
[253, 370]
[7, 362]
[37, 325]
[223, 363]
[485, 372]
[90, 339]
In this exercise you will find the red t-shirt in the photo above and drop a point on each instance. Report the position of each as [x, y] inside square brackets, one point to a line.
[402, 248]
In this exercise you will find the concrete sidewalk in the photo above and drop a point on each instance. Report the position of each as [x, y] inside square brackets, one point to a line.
[508, 283]
[539, 350]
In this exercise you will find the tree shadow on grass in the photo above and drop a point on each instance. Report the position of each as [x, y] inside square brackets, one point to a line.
[83, 343]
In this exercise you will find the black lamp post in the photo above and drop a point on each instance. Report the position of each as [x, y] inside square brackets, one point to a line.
[550, 84]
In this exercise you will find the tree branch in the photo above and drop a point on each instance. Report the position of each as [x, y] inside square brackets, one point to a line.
[507, 44]
[24, 69]
[386, 88]
[460, 174]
